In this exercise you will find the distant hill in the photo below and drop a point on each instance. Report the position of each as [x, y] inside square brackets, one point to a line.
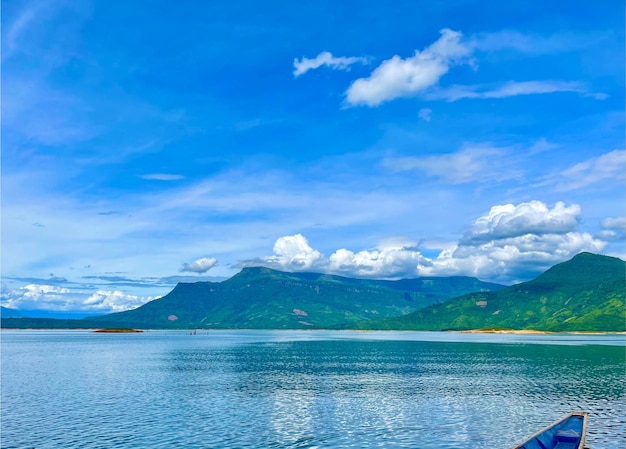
[586, 293]
[5, 312]
[262, 298]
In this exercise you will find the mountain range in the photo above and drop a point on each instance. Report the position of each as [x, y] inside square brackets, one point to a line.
[583, 294]
[263, 298]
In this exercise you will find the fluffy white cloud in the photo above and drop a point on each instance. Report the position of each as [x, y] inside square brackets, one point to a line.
[397, 77]
[390, 260]
[420, 74]
[200, 266]
[38, 297]
[301, 66]
[293, 252]
[510, 243]
[516, 242]
[58, 299]
[514, 259]
[36, 291]
[113, 301]
[534, 217]
[473, 163]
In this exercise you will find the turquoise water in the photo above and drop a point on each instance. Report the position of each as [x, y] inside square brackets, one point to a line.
[304, 389]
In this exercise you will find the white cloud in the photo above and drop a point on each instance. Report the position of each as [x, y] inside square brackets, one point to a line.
[53, 298]
[513, 259]
[19, 25]
[510, 243]
[397, 77]
[162, 177]
[37, 297]
[613, 229]
[511, 89]
[473, 163]
[537, 44]
[516, 242]
[534, 217]
[293, 253]
[614, 223]
[200, 266]
[420, 74]
[113, 301]
[36, 291]
[607, 168]
[388, 261]
[301, 66]
[425, 114]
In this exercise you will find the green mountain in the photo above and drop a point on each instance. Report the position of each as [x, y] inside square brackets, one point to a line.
[262, 298]
[585, 293]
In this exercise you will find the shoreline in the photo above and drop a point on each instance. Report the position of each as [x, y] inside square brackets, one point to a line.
[466, 331]
[535, 332]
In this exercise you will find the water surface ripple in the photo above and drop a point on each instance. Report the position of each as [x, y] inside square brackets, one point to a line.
[295, 389]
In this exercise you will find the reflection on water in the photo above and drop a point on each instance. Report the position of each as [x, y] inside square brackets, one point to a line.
[303, 389]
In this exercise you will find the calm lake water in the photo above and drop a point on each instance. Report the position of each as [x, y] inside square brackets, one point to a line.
[305, 389]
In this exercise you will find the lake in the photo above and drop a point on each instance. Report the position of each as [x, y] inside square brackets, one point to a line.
[305, 389]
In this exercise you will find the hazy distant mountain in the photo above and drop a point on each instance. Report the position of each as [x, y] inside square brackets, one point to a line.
[585, 293]
[12, 313]
[269, 299]
[5, 312]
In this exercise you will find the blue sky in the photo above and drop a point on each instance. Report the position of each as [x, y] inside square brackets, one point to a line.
[145, 144]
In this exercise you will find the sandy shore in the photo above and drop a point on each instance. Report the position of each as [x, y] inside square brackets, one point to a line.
[530, 331]
[503, 331]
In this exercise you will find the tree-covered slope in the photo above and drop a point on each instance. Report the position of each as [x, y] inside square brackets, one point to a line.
[267, 299]
[586, 293]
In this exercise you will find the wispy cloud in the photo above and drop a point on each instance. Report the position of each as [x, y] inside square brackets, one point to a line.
[325, 58]
[614, 223]
[425, 114]
[512, 89]
[531, 44]
[17, 27]
[609, 169]
[162, 177]
[474, 163]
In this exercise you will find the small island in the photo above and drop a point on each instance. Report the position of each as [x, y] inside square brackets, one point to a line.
[118, 330]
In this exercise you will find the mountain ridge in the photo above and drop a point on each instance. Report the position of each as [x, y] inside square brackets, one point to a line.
[260, 297]
[586, 293]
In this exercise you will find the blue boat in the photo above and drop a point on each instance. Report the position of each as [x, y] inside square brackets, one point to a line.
[566, 433]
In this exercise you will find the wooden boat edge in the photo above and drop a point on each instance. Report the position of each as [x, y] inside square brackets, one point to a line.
[558, 421]
[584, 431]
